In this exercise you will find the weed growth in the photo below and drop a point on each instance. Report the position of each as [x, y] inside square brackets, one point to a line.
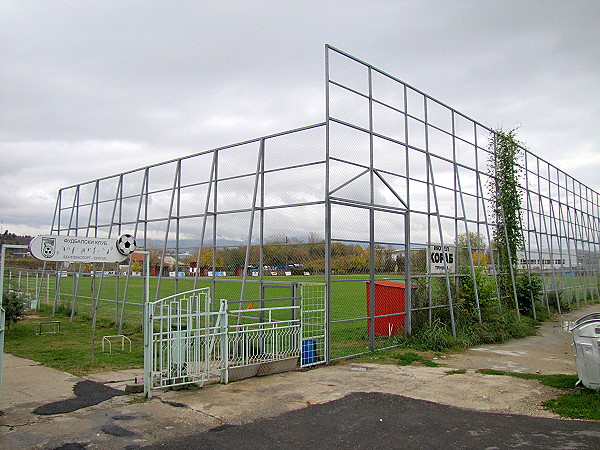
[579, 403]
[496, 328]
[558, 381]
[407, 359]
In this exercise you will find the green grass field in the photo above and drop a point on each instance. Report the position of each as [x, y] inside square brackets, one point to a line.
[349, 329]
[348, 304]
[70, 350]
[348, 295]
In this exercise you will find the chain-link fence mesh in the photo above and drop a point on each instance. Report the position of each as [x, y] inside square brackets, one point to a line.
[387, 202]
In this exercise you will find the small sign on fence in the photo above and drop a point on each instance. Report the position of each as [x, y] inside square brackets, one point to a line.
[82, 249]
[440, 258]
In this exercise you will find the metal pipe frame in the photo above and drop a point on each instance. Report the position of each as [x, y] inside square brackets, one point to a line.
[428, 189]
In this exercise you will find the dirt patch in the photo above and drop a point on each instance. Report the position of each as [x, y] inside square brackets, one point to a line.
[547, 353]
[34, 316]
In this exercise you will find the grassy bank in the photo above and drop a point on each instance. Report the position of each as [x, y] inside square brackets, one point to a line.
[576, 403]
[70, 350]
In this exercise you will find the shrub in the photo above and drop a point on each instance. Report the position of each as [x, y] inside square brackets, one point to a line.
[497, 327]
[434, 337]
[14, 304]
[486, 290]
[528, 287]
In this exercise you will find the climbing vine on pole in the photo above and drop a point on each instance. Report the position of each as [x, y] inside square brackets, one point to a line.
[506, 197]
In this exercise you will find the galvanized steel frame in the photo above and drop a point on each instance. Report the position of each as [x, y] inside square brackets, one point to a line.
[436, 189]
[557, 229]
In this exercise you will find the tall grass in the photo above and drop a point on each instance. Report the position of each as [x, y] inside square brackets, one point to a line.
[496, 328]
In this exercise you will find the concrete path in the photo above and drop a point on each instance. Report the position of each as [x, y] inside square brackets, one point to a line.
[127, 421]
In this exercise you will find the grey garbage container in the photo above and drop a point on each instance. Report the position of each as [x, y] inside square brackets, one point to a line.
[591, 316]
[586, 341]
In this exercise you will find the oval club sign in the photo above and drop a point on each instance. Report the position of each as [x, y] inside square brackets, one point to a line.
[82, 249]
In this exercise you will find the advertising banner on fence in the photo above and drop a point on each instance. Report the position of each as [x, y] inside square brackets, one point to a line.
[82, 249]
[438, 258]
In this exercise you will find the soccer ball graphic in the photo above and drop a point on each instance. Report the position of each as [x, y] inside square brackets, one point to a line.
[126, 244]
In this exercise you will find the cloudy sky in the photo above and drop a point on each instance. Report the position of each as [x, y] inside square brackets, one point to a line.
[92, 88]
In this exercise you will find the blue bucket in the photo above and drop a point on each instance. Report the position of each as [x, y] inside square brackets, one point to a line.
[309, 352]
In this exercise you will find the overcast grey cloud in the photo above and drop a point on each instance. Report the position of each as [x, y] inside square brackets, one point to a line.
[91, 88]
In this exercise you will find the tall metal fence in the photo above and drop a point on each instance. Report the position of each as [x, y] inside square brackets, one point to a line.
[387, 201]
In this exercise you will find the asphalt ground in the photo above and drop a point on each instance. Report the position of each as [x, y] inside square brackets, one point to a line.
[87, 393]
[383, 421]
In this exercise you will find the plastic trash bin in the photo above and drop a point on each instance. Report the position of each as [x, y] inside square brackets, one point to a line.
[309, 352]
[591, 316]
[586, 342]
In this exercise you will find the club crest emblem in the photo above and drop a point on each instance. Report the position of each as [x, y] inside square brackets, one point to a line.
[48, 247]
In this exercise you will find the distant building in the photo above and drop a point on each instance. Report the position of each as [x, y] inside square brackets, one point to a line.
[559, 259]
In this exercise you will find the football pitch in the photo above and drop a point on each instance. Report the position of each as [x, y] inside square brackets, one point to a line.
[349, 323]
[349, 329]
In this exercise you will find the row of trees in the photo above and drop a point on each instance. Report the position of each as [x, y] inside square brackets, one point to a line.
[281, 252]
[13, 239]
[290, 253]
